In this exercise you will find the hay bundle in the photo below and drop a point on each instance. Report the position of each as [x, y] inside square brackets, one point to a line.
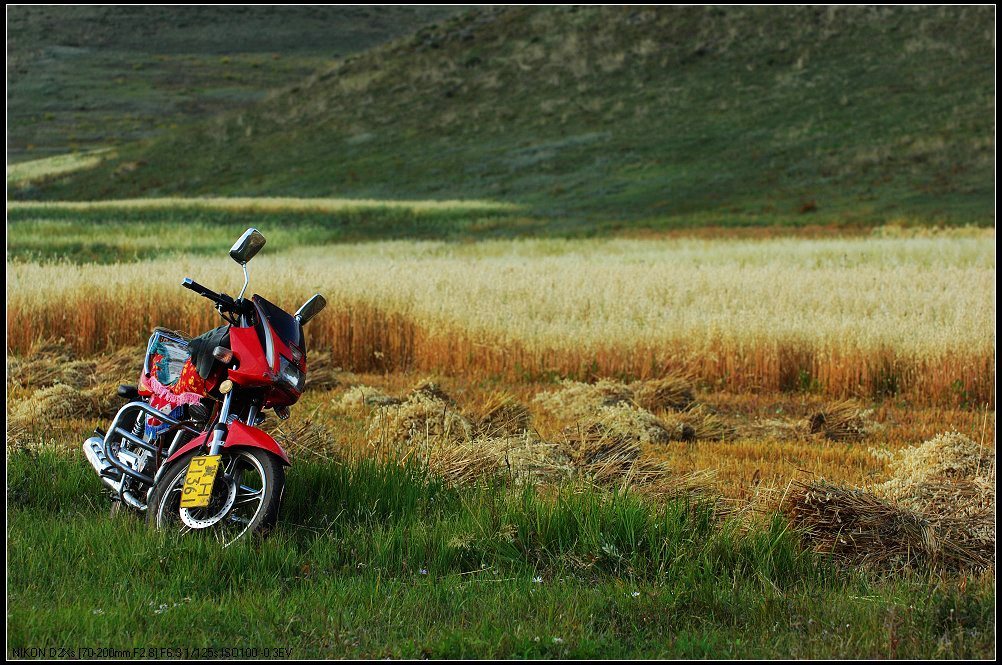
[121, 366]
[608, 451]
[580, 400]
[307, 436]
[601, 454]
[631, 422]
[321, 374]
[606, 446]
[658, 480]
[864, 529]
[946, 456]
[705, 424]
[518, 459]
[42, 372]
[950, 480]
[359, 395]
[49, 405]
[431, 390]
[840, 421]
[500, 415]
[421, 418]
[859, 527]
[670, 393]
[962, 510]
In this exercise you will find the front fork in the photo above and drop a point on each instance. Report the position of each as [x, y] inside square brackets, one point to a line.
[221, 428]
[219, 432]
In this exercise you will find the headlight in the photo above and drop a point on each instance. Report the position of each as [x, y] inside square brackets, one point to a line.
[290, 375]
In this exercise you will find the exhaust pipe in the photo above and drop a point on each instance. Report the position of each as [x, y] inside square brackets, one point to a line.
[94, 452]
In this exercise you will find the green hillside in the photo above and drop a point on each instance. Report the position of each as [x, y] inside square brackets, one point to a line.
[658, 116]
[88, 76]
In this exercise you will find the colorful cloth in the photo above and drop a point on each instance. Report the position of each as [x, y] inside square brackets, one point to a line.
[170, 379]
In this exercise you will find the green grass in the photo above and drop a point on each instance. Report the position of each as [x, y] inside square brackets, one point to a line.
[121, 231]
[85, 77]
[109, 233]
[605, 119]
[374, 560]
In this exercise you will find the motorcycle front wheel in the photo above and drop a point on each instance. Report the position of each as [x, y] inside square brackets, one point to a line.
[245, 500]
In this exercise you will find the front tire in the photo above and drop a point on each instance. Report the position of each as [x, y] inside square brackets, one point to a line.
[246, 497]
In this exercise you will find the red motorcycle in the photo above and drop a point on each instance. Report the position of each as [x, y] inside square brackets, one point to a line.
[186, 449]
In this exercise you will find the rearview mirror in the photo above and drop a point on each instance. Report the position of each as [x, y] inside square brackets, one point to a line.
[249, 244]
[311, 308]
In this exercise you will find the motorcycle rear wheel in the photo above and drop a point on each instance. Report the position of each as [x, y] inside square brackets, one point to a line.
[246, 497]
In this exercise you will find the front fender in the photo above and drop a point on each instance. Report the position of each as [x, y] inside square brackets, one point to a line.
[238, 435]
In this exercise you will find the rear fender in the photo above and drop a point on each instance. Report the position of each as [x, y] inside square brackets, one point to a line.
[239, 435]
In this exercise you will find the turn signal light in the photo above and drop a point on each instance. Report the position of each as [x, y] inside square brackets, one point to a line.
[225, 387]
[222, 354]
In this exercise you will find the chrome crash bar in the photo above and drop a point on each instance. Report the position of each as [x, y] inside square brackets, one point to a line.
[115, 431]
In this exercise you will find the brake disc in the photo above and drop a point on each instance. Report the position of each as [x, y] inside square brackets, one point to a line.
[193, 522]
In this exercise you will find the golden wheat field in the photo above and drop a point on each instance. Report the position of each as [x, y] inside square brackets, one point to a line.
[774, 374]
[864, 317]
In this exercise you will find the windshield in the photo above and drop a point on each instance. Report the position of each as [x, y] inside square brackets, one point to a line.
[285, 324]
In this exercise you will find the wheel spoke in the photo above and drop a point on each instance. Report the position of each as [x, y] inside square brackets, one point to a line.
[247, 495]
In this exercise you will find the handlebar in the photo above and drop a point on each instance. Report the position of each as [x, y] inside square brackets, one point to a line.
[221, 299]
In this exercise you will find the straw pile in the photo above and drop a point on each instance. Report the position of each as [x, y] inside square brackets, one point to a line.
[630, 409]
[50, 362]
[859, 527]
[937, 510]
[844, 420]
[321, 374]
[521, 460]
[950, 480]
[671, 393]
[699, 423]
[358, 396]
[46, 407]
[606, 449]
[309, 436]
[500, 415]
[65, 388]
[425, 416]
[495, 438]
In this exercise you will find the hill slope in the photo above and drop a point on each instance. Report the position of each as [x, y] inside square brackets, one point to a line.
[663, 116]
[85, 76]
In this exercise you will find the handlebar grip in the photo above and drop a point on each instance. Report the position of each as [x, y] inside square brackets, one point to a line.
[218, 298]
[189, 283]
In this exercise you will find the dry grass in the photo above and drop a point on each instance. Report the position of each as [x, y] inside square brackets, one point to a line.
[321, 372]
[518, 459]
[499, 414]
[25, 173]
[931, 504]
[858, 526]
[948, 475]
[51, 362]
[938, 509]
[671, 392]
[493, 436]
[844, 420]
[46, 410]
[870, 317]
[424, 418]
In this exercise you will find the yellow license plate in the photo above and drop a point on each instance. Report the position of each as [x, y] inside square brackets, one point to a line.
[198, 483]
